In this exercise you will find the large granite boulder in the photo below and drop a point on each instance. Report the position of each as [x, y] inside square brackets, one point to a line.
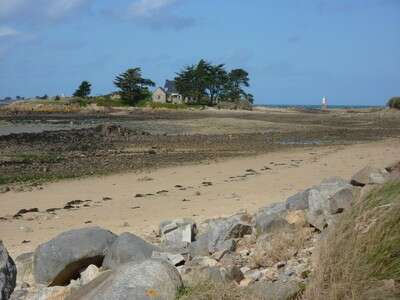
[332, 196]
[370, 175]
[60, 259]
[221, 233]
[270, 218]
[151, 279]
[127, 247]
[8, 273]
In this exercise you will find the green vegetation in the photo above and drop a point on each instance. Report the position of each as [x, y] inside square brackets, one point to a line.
[209, 84]
[83, 90]
[37, 158]
[132, 87]
[213, 291]
[360, 258]
[107, 101]
[394, 102]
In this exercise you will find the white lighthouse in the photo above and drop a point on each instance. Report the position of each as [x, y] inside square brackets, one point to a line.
[324, 103]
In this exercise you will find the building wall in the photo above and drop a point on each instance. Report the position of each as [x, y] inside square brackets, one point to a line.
[159, 96]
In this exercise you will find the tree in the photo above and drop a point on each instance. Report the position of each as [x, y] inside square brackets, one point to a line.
[213, 83]
[216, 81]
[132, 86]
[238, 78]
[83, 90]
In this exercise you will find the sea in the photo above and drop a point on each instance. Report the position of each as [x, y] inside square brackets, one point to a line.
[313, 106]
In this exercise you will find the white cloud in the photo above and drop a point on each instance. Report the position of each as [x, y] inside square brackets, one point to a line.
[148, 8]
[38, 9]
[6, 31]
[158, 14]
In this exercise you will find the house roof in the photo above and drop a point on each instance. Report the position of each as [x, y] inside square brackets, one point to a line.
[170, 87]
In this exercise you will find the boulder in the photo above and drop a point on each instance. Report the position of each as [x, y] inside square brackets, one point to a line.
[270, 218]
[298, 201]
[62, 258]
[8, 273]
[127, 247]
[222, 232]
[369, 175]
[177, 233]
[200, 246]
[332, 196]
[24, 264]
[150, 279]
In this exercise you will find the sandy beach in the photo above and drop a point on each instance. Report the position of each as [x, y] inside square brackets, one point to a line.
[137, 201]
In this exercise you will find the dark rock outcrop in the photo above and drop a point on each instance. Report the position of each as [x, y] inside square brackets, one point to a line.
[8, 273]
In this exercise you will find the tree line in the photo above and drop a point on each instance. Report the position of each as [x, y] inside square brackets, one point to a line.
[202, 83]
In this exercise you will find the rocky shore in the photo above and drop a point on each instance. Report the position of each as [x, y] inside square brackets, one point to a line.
[266, 255]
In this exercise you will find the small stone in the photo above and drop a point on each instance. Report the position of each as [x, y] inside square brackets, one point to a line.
[246, 282]
[89, 274]
[255, 275]
[280, 265]
[125, 224]
[26, 229]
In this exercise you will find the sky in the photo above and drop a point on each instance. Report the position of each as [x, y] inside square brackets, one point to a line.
[295, 51]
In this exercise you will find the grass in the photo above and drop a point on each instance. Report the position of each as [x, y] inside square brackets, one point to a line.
[214, 291]
[108, 102]
[280, 246]
[360, 257]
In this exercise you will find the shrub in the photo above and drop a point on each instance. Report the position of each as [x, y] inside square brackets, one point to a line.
[394, 102]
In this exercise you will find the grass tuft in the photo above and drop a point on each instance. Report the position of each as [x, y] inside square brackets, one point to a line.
[360, 257]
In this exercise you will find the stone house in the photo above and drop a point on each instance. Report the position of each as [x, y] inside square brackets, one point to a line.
[167, 94]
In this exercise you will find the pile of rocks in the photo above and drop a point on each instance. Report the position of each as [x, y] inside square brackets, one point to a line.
[268, 253]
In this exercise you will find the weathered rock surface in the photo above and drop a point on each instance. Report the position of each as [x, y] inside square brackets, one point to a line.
[151, 279]
[221, 232]
[60, 259]
[125, 248]
[177, 233]
[332, 196]
[24, 264]
[298, 201]
[173, 259]
[269, 218]
[8, 273]
[369, 175]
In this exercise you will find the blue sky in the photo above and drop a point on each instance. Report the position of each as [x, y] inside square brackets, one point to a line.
[295, 51]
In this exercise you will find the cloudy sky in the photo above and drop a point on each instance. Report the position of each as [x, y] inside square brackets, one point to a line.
[295, 51]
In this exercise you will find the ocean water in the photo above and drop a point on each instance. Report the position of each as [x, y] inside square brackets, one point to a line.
[313, 106]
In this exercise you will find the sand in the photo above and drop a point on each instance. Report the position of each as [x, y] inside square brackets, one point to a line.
[277, 175]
